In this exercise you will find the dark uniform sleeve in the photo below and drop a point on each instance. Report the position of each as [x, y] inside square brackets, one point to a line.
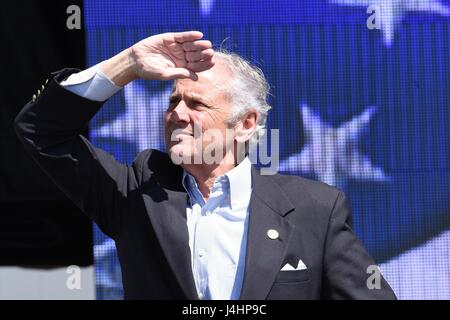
[50, 128]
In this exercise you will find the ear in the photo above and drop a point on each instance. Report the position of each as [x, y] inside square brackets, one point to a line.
[246, 126]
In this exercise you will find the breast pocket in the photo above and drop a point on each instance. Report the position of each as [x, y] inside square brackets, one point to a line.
[292, 276]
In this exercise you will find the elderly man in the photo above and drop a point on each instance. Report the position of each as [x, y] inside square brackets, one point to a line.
[197, 230]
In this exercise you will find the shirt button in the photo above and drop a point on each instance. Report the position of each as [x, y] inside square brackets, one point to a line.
[201, 253]
[208, 213]
[200, 295]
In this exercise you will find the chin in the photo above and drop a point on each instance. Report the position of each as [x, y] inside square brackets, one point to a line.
[181, 154]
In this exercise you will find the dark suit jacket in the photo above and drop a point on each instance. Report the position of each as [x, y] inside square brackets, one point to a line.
[143, 208]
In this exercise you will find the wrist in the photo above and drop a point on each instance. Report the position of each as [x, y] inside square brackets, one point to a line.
[120, 69]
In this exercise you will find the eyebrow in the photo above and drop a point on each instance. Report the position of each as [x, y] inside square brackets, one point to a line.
[192, 97]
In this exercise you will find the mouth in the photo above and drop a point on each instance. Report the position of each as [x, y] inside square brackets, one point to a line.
[181, 132]
[177, 136]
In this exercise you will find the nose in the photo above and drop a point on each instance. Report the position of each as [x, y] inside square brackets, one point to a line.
[180, 113]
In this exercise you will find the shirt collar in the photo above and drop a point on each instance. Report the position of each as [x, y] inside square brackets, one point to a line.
[191, 187]
[239, 181]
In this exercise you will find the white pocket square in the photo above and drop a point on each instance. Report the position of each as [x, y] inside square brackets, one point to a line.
[300, 266]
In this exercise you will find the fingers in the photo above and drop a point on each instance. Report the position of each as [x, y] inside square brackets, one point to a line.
[185, 36]
[179, 73]
[200, 66]
[199, 55]
[197, 45]
[189, 72]
[192, 53]
[194, 56]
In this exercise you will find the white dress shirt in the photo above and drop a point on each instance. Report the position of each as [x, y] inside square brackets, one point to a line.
[217, 228]
[218, 232]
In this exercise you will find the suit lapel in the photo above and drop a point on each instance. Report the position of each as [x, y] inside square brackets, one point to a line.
[166, 201]
[264, 256]
[167, 212]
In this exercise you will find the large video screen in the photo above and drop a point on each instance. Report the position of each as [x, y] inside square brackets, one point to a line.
[361, 98]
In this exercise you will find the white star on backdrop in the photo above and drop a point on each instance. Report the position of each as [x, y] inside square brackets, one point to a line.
[142, 123]
[206, 6]
[393, 11]
[332, 153]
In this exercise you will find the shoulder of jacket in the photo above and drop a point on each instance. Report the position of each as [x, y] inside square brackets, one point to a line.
[296, 187]
[152, 161]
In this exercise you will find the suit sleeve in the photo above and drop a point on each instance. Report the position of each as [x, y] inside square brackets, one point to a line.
[346, 260]
[50, 129]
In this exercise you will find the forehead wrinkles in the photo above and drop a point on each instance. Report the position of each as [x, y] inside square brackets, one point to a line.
[219, 78]
[208, 90]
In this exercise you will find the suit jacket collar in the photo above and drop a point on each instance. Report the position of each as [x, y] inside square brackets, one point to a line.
[269, 192]
[264, 256]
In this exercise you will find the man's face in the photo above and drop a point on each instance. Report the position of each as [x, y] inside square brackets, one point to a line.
[199, 107]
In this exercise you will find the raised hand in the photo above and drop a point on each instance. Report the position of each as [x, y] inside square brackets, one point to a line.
[171, 56]
[167, 56]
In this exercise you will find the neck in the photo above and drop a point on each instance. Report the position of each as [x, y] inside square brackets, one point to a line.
[205, 175]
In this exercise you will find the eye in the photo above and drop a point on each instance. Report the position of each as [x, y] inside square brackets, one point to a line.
[173, 102]
[196, 104]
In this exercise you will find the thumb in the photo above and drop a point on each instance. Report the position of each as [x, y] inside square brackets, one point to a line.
[179, 73]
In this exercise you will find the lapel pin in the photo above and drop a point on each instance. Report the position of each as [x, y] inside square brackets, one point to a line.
[272, 234]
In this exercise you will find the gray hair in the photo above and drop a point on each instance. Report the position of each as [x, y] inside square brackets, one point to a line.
[248, 90]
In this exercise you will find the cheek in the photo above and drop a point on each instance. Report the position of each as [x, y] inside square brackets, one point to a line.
[199, 122]
[209, 120]
[197, 117]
